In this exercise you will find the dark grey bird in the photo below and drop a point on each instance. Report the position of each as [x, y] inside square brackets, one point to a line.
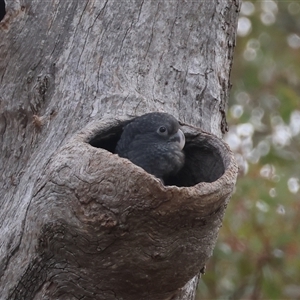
[154, 142]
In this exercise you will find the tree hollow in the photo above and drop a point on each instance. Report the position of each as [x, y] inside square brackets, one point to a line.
[120, 230]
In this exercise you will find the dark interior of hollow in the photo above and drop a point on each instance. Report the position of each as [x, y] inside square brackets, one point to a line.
[2, 9]
[203, 160]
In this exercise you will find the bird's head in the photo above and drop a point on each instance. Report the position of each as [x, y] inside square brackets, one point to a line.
[158, 128]
[154, 142]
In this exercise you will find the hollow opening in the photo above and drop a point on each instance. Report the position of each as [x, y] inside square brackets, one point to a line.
[205, 156]
[107, 140]
[2, 9]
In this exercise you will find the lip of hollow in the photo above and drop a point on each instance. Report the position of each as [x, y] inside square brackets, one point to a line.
[179, 138]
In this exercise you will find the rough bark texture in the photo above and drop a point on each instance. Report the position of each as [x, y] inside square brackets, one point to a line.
[76, 219]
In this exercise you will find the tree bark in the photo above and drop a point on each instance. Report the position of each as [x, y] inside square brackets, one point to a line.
[74, 216]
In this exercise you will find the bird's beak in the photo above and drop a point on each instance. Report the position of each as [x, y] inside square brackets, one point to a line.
[179, 138]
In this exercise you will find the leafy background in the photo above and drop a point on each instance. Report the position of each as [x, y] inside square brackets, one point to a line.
[257, 255]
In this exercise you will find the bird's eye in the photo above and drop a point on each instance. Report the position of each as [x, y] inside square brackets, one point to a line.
[162, 130]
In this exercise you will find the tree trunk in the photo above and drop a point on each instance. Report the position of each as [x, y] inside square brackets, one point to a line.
[77, 221]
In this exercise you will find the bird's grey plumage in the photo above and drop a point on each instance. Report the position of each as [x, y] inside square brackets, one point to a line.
[154, 142]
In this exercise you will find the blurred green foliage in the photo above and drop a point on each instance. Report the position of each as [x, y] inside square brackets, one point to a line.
[257, 255]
